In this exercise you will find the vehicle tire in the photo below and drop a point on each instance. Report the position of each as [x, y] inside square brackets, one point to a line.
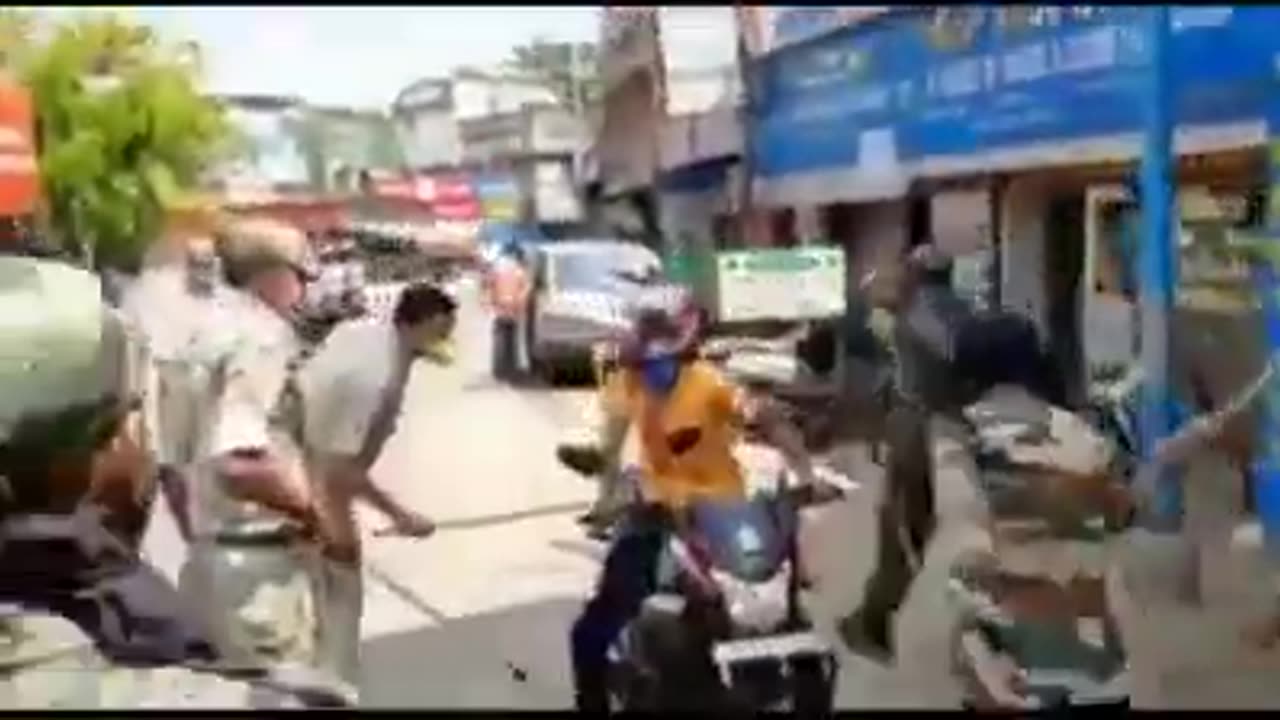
[540, 369]
[551, 373]
[813, 687]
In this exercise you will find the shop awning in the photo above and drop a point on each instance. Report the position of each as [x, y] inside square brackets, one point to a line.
[1125, 147]
[826, 187]
[702, 176]
[852, 185]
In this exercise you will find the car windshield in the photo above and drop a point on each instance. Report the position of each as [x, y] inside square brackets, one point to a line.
[601, 270]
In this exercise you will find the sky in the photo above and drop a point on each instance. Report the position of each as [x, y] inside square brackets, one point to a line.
[359, 56]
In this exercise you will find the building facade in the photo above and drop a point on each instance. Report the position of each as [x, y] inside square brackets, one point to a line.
[627, 141]
[274, 156]
[428, 113]
[1010, 136]
[534, 148]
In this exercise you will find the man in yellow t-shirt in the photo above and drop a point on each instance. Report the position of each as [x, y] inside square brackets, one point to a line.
[688, 417]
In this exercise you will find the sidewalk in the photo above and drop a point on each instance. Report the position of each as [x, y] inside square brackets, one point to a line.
[1182, 657]
[1194, 658]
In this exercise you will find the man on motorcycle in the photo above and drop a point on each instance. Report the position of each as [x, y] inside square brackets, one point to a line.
[687, 416]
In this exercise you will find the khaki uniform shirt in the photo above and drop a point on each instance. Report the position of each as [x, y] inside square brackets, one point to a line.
[249, 410]
[353, 388]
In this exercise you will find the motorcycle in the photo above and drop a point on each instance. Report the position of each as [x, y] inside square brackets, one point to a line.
[1053, 492]
[726, 628]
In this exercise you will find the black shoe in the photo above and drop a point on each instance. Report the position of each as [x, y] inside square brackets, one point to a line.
[871, 640]
[592, 703]
[586, 460]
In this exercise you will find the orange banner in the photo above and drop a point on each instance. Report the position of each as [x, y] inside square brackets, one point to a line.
[19, 175]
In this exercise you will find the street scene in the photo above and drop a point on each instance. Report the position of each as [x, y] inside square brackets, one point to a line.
[730, 359]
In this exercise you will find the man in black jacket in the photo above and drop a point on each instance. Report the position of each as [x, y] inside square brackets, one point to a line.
[947, 356]
[929, 311]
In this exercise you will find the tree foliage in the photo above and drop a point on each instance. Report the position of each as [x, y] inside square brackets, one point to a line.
[561, 65]
[113, 155]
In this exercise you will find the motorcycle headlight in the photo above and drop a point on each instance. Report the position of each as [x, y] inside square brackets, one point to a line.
[756, 606]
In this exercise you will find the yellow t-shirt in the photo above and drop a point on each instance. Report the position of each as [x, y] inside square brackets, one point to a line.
[699, 420]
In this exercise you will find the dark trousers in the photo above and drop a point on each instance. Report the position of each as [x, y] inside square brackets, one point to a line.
[628, 578]
[505, 348]
[907, 504]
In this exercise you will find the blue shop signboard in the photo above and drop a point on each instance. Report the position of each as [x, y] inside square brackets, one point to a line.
[961, 80]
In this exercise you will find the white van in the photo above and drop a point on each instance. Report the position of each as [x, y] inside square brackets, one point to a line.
[583, 295]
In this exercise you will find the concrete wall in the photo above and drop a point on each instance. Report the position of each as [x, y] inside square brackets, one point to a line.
[555, 198]
[628, 144]
[429, 137]
[628, 43]
[880, 241]
[555, 130]
[1023, 251]
[480, 97]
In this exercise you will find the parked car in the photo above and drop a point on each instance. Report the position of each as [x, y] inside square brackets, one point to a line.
[583, 295]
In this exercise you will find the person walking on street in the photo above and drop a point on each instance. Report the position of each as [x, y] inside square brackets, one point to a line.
[924, 339]
[175, 307]
[353, 389]
[947, 355]
[253, 512]
[508, 286]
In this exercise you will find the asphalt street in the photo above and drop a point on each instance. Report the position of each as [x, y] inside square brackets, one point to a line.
[477, 616]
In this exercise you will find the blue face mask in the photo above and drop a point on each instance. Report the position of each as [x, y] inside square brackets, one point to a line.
[661, 373]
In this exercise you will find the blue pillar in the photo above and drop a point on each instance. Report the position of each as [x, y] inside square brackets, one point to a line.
[1266, 474]
[1158, 261]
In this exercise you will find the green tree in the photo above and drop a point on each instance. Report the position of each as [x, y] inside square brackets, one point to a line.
[123, 130]
[570, 70]
[17, 33]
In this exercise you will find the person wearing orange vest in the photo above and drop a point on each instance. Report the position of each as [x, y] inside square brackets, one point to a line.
[508, 289]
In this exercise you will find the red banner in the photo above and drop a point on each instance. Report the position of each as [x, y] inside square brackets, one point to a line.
[19, 174]
[453, 198]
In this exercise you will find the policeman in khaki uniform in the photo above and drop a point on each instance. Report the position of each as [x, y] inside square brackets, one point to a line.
[175, 307]
[84, 623]
[253, 514]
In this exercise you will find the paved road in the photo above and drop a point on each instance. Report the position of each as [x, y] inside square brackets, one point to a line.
[477, 616]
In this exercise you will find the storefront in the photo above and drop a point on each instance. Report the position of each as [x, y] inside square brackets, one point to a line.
[1044, 104]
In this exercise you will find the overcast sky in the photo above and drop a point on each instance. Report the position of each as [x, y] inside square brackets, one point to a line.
[359, 56]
